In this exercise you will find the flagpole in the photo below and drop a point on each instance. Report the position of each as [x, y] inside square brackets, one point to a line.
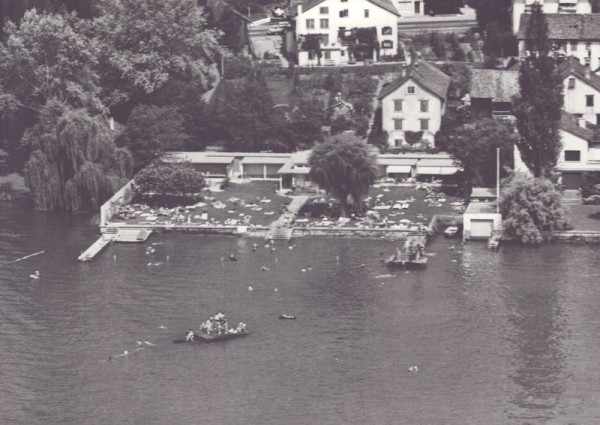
[497, 180]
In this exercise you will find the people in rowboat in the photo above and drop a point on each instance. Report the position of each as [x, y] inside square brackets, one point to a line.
[189, 337]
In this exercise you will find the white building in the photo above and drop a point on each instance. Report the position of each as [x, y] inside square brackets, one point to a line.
[415, 102]
[410, 7]
[329, 18]
[521, 7]
[572, 35]
[581, 91]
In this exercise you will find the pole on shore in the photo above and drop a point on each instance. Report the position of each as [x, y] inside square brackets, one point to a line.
[497, 180]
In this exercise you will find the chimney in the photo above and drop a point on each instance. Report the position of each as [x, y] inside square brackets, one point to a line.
[299, 9]
[582, 122]
[588, 73]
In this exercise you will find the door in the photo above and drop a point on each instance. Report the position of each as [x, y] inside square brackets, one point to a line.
[572, 181]
[417, 7]
[481, 228]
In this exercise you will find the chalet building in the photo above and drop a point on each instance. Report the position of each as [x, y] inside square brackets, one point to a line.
[333, 21]
[580, 151]
[415, 103]
[574, 35]
[581, 91]
[492, 91]
[523, 7]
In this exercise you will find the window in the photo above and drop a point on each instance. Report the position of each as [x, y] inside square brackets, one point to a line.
[342, 53]
[589, 100]
[344, 1]
[588, 46]
[310, 24]
[398, 105]
[410, 89]
[366, 13]
[397, 124]
[573, 156]
[587, 61]
[397, 142]
[311, 55]
[579, 115]
[424, 125]
[597, 119]
[343, 13]
[324, 38]
[571, 83]
[573, 46]
[387, 44]
[324, 10]
[386, 31]
[424, 105]
[327, 54]
[324, 24]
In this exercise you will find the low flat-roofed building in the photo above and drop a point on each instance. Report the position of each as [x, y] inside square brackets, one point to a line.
[212, 164]
[481, 220]
[483, 194]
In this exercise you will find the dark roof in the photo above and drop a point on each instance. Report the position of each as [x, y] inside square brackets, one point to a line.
[426, 75]
[572, 66]
[566, 26]
[309, 4]
[570, 124]
[498, 85]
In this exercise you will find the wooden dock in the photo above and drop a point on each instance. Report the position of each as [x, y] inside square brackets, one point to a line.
[97, 246]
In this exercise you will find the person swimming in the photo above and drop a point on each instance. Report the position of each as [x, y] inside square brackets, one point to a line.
[35, 275]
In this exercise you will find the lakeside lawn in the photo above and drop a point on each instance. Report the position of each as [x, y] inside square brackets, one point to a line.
[252, 203]
[419, 208]
[584, 217]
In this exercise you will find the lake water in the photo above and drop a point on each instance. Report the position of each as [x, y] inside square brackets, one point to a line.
[509, 337]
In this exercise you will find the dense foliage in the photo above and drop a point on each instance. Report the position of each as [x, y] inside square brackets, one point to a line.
[343, 166]
[474, 145]
[531, 207]
[538, 109]
[169, 179]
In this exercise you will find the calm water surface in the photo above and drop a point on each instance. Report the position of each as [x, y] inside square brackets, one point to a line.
[499, 338]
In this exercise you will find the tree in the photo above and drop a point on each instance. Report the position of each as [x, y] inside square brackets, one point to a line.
[147, 42]
[343, 166]
[74, 164]
[438, 45]
[152, 130]
[531, 207]
[474, 146]
[538, 109]
[50, 57]
[169, 179]
[456, 114]
[299, 127]
[460, 79]
[312, 44]
[498, 11]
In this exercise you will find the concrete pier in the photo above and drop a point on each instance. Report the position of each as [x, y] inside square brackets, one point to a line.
[97, 246]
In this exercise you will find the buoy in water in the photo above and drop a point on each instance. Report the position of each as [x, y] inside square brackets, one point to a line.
[413, 369]
[35, 275]
[250, 288]
[232, 257]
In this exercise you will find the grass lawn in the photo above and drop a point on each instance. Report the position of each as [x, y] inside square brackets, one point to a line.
[584, 217]
[250, 202]
[420, 210]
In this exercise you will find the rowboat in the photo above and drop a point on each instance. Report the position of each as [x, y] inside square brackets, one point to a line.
[201, 337]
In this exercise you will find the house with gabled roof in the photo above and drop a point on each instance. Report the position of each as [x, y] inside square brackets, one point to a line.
[576, 35]
[333, 21]
[581, 90]
[521, 7]
[415, 103]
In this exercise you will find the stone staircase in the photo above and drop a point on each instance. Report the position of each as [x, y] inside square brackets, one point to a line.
[571, 196]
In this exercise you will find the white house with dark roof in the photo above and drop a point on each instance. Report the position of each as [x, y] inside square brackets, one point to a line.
[330, 18]
[581, 91]
[415, 102]
[574, 35]
[523, 7]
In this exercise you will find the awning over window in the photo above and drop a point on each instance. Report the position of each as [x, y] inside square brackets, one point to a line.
[437, 171]
[398, 169]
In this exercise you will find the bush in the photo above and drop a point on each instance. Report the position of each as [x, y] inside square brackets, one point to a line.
[531, 207]
[592, 200]
[236, 67]
[413, 137]
[169, 179]
[591, 180]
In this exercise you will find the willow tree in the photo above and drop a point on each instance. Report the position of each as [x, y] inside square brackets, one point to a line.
[74, 164]
[343, 166]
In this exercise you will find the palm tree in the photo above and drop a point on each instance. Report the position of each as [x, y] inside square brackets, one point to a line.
[343, 166]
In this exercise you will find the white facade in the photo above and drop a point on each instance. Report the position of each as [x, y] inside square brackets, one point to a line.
[480, 220]
[326, 19]
[588, 52]
[578, 154]
[581, 99]
[410, 7]
[411, 108]
[549, 6]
